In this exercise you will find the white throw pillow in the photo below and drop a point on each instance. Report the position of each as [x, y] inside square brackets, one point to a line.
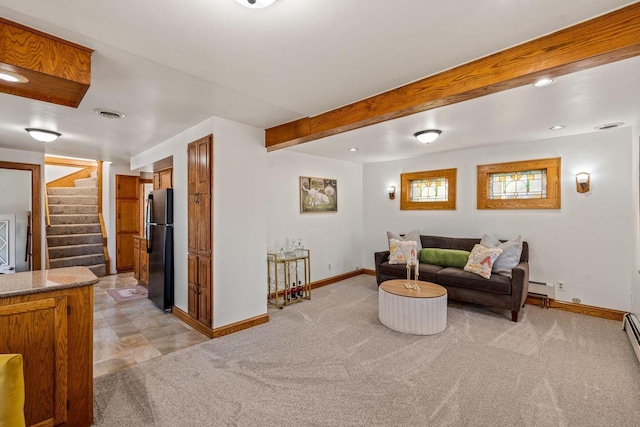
[413, 236]
[510, 257]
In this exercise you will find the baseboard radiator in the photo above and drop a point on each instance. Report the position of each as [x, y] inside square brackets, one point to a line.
[632, 326]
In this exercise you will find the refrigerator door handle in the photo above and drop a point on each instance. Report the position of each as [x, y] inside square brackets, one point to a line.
[148, 238]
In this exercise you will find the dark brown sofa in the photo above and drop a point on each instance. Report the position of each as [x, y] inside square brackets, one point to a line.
[508, 293]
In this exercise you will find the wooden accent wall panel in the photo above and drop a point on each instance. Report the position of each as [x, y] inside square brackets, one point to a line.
[59, 71]
[607, 38]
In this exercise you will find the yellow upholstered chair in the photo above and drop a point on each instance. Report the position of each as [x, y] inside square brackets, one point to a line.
[11, 391]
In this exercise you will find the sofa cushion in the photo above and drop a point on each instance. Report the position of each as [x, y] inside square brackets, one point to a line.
[510, 256]
[413, 236]
[481, 260]
[451, 276]
[444, 257]
[402, 252]
[427, 271]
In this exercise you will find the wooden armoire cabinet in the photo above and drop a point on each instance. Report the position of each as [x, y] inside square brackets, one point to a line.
[200, 239]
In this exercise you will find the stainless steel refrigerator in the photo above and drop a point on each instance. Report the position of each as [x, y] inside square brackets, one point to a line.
[159, 234]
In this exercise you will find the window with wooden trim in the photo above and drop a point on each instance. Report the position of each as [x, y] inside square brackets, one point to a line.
[528, 184]
[428, 190]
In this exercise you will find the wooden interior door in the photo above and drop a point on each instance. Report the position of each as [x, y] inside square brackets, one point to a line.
[127, 220]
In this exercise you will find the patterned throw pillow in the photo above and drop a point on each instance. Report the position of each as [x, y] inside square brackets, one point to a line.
[412, 235]
[481, 260]
[402, 252]
[511, 251]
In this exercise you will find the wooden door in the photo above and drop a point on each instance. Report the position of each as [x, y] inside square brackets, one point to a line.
[200, 242]
[192, 189]
[192, 280]
[127, 219]
[205, 297]
[204, 195]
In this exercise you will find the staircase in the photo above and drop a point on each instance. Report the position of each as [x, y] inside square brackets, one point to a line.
[74, 237]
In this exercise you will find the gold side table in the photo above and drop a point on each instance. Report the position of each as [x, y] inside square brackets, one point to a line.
[292, 285]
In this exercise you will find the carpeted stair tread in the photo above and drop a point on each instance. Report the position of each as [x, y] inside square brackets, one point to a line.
[73, 200]
[62, 219]
[59, 229]
[72, 191]
[75, 250]
[82, 260]
[73, 209]
[73, 239]
[86, 183]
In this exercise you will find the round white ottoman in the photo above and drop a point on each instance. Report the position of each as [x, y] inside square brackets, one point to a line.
[422, 312]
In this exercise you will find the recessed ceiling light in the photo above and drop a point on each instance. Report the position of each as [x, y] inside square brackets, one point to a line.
[557, 127]
[427, 136]
[353, 149]
[256, 4]
[43, 135]
[107, 114]
[11, 77]
[609, 126]
[544, 82]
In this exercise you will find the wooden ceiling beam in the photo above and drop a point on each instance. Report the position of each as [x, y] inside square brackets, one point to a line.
[601, 40]
[59, 71]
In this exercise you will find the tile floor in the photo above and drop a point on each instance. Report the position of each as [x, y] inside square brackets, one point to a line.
[126, 333]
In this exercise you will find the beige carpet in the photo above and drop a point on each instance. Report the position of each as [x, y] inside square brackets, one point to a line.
[329, 362]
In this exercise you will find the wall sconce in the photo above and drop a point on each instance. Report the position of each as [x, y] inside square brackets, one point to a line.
[392, 192]
[582, 182]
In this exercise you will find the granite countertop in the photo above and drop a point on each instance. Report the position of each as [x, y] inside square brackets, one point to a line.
[31, 282]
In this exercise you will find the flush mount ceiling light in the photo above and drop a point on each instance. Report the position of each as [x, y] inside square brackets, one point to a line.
[427, 136]
[43, 135]
[107, 114]
[11, 77]
[543, 82]
[556, 127]
[256, 4]
[609, 126]
[353, 149]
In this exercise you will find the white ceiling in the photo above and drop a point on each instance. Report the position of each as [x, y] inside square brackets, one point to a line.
[169, 65]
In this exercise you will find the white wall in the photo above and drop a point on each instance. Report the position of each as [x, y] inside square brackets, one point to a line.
[634, 230]
[589, 243]
[34, 158]
[52, 172]
[332, 238]
[239, 212]
[15, 198]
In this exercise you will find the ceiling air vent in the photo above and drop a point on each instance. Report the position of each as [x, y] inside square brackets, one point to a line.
[109, 114]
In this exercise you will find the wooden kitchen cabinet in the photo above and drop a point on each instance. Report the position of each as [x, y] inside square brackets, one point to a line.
[51, 325]
[200, 242]
[140, 261]
[163, 179]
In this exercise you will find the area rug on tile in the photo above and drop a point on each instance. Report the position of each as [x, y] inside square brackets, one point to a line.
[128, 294]
[330, 362]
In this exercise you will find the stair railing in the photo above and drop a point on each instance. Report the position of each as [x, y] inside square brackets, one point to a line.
[107, 260]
